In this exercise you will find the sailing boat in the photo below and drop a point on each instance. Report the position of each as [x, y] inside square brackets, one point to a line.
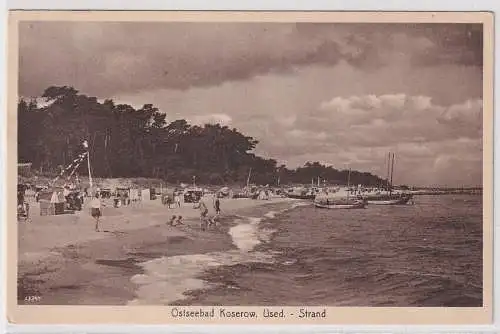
[389, 198]
[248, 191]
[301, 193]
[340, 202]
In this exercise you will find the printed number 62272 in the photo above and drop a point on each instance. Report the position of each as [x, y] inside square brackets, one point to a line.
[32, 299]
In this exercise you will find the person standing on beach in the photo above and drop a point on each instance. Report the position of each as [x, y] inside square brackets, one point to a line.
[27, 211]
[203, 214]
[217, 205]
[177, 199]
[169, 201]
[95, 210]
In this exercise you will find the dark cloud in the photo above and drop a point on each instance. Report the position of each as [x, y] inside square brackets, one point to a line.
[106, 59]
[458, 43]
[455, 44]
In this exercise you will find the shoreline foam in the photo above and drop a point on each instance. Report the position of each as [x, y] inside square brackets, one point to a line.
[174, 279]
[170, 280]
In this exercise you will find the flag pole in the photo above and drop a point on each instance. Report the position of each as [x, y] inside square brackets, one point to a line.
[90, 173]
[86, 145]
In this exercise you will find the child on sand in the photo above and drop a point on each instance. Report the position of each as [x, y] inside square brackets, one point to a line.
[179, 221]
[170, 201]
[212, 221]
[172, 220]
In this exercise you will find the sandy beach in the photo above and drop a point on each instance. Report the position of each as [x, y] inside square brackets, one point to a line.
[64, 260]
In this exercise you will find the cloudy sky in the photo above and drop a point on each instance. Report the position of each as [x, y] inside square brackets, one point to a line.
[341, 94]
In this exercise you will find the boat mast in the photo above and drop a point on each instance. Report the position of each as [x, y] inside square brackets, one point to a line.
[249, 174]
[86, 145]
[392, 169]
[349, 183]
[388, 171]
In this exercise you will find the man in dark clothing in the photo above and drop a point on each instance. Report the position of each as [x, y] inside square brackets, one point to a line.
[217, 205]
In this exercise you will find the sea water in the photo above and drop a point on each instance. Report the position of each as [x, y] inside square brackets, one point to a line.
[426, 254]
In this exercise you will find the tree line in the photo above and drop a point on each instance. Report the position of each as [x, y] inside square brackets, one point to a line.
[129, 142]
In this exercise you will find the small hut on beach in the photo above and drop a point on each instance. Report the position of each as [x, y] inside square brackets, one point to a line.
[145, 194]
[24, 169]
[52, 202]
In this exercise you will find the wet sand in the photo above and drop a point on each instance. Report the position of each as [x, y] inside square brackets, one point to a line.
[64, 261]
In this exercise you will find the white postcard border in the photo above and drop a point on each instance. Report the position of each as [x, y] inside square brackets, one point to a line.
[275, 5]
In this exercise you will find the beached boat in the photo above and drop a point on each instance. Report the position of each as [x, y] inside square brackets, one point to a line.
[340, 204]
[304, 197]
[335, 202]
[301, 193]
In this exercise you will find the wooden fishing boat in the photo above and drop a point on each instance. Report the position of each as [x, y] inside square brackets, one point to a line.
[304, 197]
[340, 204]
[389, 197]
[301, 193]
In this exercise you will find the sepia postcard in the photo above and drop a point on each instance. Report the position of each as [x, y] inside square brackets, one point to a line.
[250, 167]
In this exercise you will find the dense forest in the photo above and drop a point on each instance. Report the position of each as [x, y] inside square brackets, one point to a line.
[128, 142]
